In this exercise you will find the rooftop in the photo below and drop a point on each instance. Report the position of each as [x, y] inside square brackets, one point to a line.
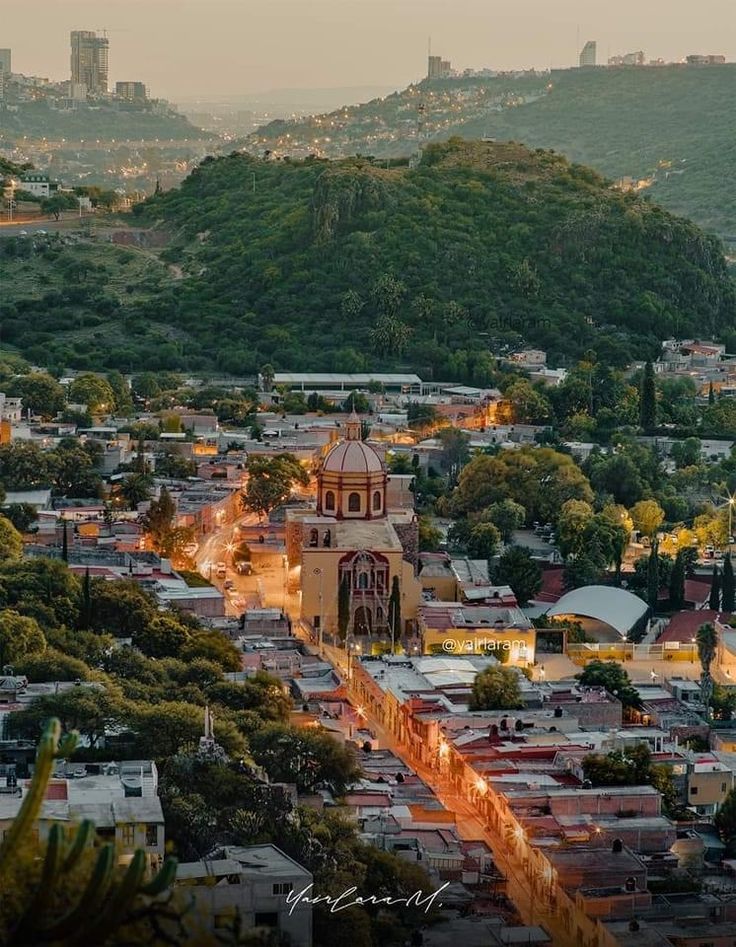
[259, 861]
[616, 607]
[350, 378]
[441, 615]
[445, 679]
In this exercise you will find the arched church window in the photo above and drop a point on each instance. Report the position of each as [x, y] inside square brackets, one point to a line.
[377, 500]
[353, 503]
[363, 580]
[313, 537]
[329, 500]
[327, 539]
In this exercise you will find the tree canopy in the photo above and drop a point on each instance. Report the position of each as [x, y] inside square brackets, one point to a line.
[496, 688]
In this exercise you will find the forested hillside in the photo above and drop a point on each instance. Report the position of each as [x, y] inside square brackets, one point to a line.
[673, 126]
[350, 266]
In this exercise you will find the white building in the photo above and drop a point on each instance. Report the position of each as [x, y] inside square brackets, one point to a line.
[258, 883]
[11, 409]
[40, 185]
[120, 798]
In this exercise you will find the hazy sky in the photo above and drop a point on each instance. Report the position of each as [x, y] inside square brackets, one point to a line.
[186, 48]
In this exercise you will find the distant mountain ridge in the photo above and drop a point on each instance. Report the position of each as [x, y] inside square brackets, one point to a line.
[673, 127]
[36, 120]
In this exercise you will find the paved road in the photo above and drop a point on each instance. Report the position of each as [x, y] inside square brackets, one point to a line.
[15, 227]
[218, 547]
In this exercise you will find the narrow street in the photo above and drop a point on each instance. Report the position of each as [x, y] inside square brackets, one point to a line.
[470, 825]
[219, 547]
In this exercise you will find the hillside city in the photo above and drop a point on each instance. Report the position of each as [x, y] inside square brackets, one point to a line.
[367, 497]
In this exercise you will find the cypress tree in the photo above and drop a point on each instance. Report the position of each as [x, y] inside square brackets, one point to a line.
[714, 599]
[343, 607]
[65, 544]
[648, 399]
[653, 577]
[728, 586]
[711, 394]
[394, 610]
[85, 611]
[677, 583]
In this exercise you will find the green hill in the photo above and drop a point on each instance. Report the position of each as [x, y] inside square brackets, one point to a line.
[38, 120]
[348, 266]
[675, 125]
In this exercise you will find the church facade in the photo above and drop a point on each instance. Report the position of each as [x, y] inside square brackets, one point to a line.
[352, 552]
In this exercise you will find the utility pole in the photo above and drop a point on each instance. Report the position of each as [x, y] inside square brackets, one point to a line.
[391, 624]
[320, 573]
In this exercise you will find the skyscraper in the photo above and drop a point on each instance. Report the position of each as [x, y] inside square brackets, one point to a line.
[5, 62]
[589, 54]
[90, 61]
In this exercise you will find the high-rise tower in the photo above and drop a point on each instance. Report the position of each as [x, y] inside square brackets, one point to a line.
[90, 61]
[589, 54]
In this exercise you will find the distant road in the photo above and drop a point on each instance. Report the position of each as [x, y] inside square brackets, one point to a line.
[16, 227]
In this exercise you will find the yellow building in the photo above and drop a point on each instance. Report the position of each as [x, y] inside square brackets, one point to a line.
[353, 540]
[451, 628]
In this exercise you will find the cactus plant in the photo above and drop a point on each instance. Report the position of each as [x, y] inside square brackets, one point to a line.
[105, 901]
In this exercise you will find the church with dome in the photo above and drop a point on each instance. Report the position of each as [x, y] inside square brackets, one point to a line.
[347, 556]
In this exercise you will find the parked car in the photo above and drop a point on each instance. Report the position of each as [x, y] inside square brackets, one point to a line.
[229, 584]
[245, 568]
[221, 568]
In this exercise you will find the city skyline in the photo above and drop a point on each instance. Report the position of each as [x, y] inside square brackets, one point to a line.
[253, 48]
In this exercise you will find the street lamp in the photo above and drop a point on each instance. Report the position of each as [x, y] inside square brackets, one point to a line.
[730, 500]
[693, 642]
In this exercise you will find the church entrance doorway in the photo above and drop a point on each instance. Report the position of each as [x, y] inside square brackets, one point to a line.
[362, 623]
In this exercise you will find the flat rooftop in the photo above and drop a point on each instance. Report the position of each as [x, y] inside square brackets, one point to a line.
[350, 378]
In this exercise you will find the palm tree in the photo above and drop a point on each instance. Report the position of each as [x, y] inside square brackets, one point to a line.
[707, 640]
[136, 488]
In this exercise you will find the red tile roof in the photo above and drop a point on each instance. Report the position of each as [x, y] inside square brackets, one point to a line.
[57, 789]
[552, 588]
[368, 799]
[684, 626]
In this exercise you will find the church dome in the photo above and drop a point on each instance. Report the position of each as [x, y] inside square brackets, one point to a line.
[352, 457]
[352, 481]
